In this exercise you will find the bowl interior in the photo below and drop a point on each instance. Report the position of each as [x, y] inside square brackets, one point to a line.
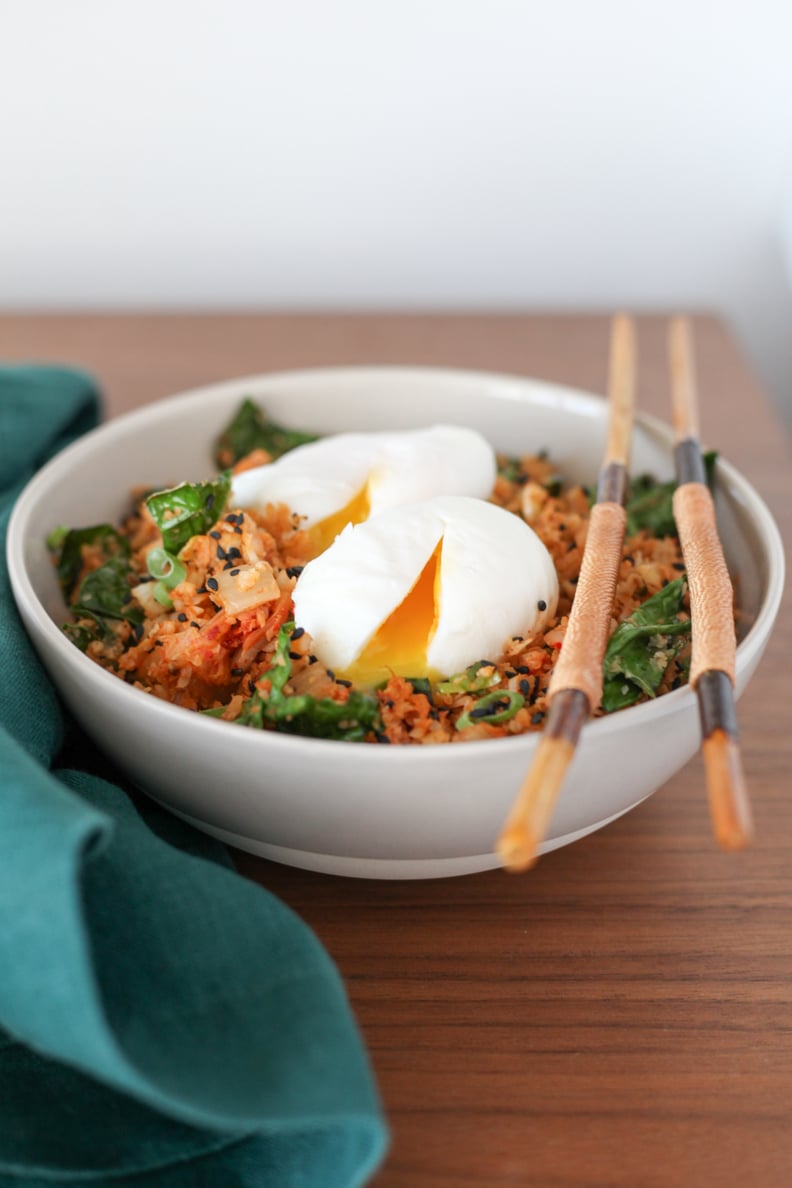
[171, 441]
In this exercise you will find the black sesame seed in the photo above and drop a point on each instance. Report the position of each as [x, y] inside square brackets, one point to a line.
[181, 617]
[312, 659]
[237, 672]
[238, 531]
[331, 674]
[510, 672]
[542, 605]
[524, 686]
[665, 583]
[201, 590]
[295, 655]
[294, 570]
[390, 704]
[211, 583]
[571, 546]
[523, 668]
[677, 681]
[214, 605]
[233, 552]
[298, 633]
[537, 717]
[380, 737]
[234, 572]
[679, 566]
[137, 631]
[215, 535]
[220, 553]
[518, 638]
[194, 624]
[573, 581]
[346, 684]
[629, 557]
[209, 501]
[158, 643]
[482, 711]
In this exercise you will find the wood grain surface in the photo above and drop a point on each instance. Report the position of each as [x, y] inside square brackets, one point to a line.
[622, 1015]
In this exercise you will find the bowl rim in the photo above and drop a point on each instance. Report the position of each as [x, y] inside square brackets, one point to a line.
[534, 389]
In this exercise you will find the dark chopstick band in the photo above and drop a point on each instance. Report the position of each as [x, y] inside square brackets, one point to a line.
[612, 484]
[689, 462]
[569, 711]
[716, 703]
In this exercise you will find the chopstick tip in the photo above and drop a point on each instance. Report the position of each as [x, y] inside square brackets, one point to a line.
[517, 850]
[526, 826]
[730, 808]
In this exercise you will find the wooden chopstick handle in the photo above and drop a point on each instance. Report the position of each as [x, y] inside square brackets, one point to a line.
[684, 394]
[621, 390]
[579, 665]
[711, 593]
[730, 808]
[527, 823]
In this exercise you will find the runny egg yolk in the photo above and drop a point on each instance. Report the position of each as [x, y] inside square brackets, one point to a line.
[322, 534]
[400, 644]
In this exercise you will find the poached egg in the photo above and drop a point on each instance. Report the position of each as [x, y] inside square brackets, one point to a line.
[425, 589]
[346, 478]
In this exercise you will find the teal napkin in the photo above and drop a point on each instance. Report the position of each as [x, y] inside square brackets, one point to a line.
[163, 1022]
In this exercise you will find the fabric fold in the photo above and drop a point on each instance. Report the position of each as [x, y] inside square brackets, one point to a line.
[165, 1021]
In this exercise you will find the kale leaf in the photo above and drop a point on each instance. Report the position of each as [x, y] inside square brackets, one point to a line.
[251, 429]
[111, 543]
[650, 504]
[188, 510]
[349, 721]
[87, 631]
[105, 593]
[641, 648]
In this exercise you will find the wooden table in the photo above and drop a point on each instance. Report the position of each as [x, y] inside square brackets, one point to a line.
[621, 1016]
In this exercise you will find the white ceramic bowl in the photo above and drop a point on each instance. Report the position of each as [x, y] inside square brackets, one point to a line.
[356, 809]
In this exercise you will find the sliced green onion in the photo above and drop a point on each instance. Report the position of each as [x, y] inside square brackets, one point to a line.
[486, 709]
[472, 680]
[162, 564]
[57, 537]
[169, 570]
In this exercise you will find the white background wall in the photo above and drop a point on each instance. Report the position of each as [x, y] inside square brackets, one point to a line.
[413, 153]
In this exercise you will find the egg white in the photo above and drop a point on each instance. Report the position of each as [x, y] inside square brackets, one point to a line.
[318, 481]
[495, 579]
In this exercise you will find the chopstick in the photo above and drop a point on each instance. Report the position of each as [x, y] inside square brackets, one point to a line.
[711, 605]
[576, 685]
